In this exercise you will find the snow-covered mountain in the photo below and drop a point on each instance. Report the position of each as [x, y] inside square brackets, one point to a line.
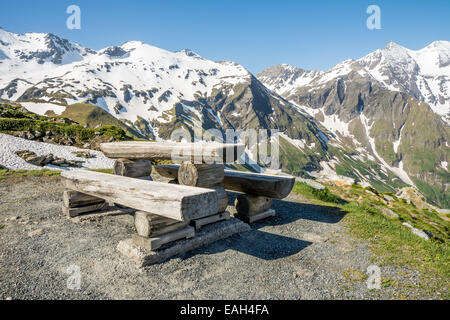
[423, 74]
[360, 119]
[132, 81]
[393, 104]
[148, 88]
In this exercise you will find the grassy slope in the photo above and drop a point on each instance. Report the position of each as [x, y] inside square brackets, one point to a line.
[92, 116]
[390, 242]
[12, 118]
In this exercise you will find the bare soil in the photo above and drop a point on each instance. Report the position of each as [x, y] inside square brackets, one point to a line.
[304, 252]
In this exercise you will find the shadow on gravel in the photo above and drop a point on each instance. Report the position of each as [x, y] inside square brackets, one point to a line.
[269, 246]
[256, 243]
[289, 211]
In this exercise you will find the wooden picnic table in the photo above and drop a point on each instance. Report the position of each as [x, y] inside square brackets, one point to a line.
[203, 167]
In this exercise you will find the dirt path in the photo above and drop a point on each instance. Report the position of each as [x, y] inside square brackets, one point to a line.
[302, 253]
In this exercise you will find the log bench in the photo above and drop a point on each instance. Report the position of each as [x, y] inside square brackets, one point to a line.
[164, 211]
[176, 202]
[277, 187]
[167, 217]
[258, 189]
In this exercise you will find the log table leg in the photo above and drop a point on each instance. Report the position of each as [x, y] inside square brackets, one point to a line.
[76, 203]
[140, 169]
[150, 225]
[201, 175]
[252, 208]
[206, 176]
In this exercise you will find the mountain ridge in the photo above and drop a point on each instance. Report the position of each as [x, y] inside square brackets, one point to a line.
[331, 122]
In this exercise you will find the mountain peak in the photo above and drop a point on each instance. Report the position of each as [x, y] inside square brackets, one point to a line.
[190, 53]
[394, 46]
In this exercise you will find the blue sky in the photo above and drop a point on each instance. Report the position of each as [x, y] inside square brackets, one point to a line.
[257, 34]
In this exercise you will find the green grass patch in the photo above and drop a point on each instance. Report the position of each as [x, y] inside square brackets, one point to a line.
[4, 173]
[390, 242]
[354, 275]
[322, 195]
[109, 171]
[12, 119]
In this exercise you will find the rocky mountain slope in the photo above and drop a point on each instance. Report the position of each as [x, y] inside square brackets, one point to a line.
[393, 104]
[329, 122]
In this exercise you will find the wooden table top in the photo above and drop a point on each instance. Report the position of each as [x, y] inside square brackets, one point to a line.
[196, 152]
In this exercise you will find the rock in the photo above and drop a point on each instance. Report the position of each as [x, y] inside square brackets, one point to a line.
[37, 232]
[41, 161]
[443, 211]
[388, 198]
[48, 159]
[388, 213]
[84, 154]
[416, 231]
[58, 162]
[36, 160]
[371, 193]
[314, 184]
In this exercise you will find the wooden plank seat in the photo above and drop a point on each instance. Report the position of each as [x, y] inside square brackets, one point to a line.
[181, 203]
[277, 187]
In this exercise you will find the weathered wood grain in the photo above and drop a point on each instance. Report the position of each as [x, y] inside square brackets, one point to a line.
[74, 199]
[200, 175]
[149, 224]
[73, 212]
[133, 168]
[257, 217]
[272, 186]
[177, 202]
[168, 171]
[222, 195]
[248, 205]
[157, 242]
[199, 152]
[199, 223]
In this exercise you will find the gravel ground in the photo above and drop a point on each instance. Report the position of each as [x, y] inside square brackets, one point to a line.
[10, 144]
[302, 253]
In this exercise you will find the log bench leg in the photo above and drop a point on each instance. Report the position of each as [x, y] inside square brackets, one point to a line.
[199, 223]
[252, 208]
[150, 225]
[156, 242]
[77, 203]
[259, 216]
[153, 231]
